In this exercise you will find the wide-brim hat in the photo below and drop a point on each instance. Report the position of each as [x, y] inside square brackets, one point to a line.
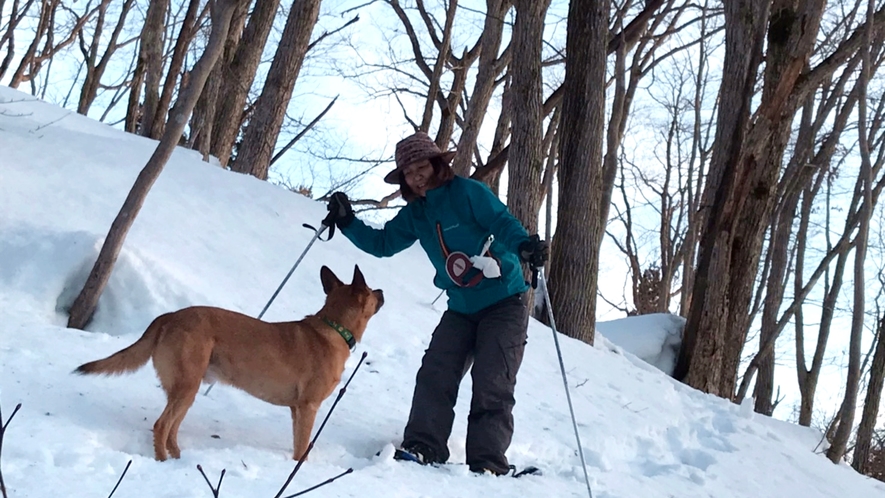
[412, 149]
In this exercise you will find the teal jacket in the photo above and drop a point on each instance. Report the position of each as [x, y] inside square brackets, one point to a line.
[463, 213]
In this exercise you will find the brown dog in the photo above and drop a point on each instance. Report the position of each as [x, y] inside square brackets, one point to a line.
[294, 364]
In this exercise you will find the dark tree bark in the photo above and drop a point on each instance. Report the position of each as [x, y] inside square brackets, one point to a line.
[779, 248]
[864, 438]
[838, 448]
[792, 34]
[203, 118]
[525, 158]
[151, 60]
[488, 71]
[84, 305]
[185, 36]
[238, 77]
[575, 259]
[261, 133]
[490, 172]
[704, 336]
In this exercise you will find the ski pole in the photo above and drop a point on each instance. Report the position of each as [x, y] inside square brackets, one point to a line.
[319, 232]
[437, 297]
[326, 224]
[543, 281]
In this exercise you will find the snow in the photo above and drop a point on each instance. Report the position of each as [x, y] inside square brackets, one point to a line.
[653, 339]
[207, 236]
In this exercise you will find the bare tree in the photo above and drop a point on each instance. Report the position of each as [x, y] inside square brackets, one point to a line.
[446, 65]
[667, 183]
[526, 128]
[95, 67]
[865, 185]
[182, 42]
[84, 305]
[48, 26]
[17, 13]
[575, 259]
[237, 78]
[744, 34]
[203, 118]
[742, 198]
[151, 63]
[864, 440]
[490, 66]
[263, 129]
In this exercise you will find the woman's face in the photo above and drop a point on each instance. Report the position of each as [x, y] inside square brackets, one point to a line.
[419, 177]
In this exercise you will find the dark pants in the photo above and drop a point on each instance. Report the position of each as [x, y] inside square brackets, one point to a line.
[494, 339]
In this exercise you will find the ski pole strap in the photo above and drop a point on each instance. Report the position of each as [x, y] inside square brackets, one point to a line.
[325, 225]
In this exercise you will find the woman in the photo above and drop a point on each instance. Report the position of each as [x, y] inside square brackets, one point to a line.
[476, 246]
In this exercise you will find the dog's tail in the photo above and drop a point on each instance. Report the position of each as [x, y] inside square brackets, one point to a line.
[131, 358]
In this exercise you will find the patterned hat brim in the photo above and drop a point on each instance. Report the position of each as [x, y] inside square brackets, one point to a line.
[393, 177]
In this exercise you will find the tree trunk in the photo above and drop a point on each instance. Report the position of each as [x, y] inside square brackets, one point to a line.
[151, 58]
[864, 438]
[865, 184]
[798, 178]
[95, 71]
[261, 133]
[699, 363]
[484, 85]
[449, 112]
[84, 306]
[575, 259]
[185, 35]
[438, 67]
[525, 156]
[792, 35]
[238, 78]
[203, 118]
[779, 249]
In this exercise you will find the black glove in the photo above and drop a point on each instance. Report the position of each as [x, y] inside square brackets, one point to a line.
[535, 251]
[340, 211]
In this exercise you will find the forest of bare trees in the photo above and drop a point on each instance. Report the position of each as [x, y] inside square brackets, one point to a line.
[723, 160]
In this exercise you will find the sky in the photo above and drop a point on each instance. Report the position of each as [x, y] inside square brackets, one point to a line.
[211, 237]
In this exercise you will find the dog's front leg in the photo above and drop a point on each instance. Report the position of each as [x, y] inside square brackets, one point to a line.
[303, 417]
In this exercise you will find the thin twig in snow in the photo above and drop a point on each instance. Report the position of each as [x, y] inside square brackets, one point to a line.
[216, 488]
[2, 432]
[327, 481]
[120, 479]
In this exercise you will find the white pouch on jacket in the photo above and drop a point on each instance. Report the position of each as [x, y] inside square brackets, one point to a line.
[488, 266]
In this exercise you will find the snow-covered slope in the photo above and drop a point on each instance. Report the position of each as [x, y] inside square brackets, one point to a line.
[207, 236]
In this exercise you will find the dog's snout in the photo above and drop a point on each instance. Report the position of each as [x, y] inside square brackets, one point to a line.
[379, 295]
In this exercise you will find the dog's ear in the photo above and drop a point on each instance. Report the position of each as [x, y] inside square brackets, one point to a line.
[359, 281]
[330, 281]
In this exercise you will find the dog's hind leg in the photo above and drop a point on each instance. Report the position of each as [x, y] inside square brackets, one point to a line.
[184, 403]
[180, 372]
[180, 399]
[161, 432]
[303, 417]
